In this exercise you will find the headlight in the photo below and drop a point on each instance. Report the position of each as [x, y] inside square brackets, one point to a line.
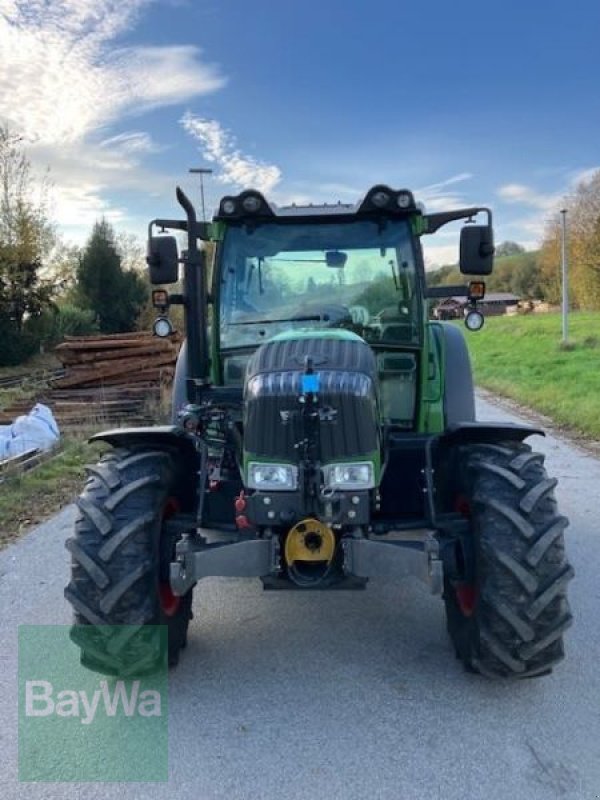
[272, 476]
[162, 327]
[350, 476]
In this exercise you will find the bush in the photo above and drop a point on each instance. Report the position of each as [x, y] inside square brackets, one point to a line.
[74, 321]
[17, 346]
[44, 330]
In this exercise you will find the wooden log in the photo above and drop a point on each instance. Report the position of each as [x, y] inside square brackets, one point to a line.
[76, 357]
[102, 336]
[124, 370]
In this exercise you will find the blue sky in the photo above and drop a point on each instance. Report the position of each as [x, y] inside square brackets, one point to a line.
[464, 103]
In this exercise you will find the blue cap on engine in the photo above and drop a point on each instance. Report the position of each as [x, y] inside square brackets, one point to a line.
[311, 383]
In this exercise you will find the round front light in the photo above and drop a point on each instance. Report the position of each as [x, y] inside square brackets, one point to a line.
[251, 204]
[380, 199]
[162, 327]
[404, 200]
[474, 320]
[228, 206]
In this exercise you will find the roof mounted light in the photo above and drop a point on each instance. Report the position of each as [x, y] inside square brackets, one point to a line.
[228, 206]
[249, 203]
[382, 198]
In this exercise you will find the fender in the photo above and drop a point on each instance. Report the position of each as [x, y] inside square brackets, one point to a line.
[162, 437]
[459, 391]
[487, 433]
[179, 393]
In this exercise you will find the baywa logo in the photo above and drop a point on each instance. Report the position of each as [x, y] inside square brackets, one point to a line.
[79, 725]
[41, 700]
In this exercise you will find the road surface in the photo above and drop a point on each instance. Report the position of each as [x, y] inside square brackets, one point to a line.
[344, 695]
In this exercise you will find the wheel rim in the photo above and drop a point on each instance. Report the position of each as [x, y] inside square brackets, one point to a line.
[169, 602]
[466, 598]
[466, 593]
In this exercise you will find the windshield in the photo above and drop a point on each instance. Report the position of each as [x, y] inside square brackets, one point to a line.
[354, 275]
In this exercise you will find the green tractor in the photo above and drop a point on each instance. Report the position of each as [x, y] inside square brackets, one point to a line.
[323, 435]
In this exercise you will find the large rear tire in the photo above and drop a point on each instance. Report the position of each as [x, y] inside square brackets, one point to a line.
[119, 565]
[508, 610]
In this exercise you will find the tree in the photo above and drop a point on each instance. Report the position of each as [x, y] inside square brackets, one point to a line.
[115, 295]
[509, 249]
[583, 220]
[26, 238]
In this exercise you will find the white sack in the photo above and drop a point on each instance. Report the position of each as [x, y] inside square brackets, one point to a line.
[38, 430]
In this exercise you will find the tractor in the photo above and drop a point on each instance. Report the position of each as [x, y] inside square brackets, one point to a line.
[323, 435]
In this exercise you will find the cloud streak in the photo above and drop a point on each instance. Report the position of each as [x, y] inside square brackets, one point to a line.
[218, 146]
[437, 197]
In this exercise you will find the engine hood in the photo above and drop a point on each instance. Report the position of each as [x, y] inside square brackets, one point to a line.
[348, 385]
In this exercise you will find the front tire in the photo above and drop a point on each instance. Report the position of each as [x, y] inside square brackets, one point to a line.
[506, 605]
[119, 565]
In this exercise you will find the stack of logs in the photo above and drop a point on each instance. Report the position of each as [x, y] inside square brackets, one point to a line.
[110, 379]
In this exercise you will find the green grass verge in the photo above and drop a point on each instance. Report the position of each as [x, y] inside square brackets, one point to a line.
[522, 358]
[30, 497]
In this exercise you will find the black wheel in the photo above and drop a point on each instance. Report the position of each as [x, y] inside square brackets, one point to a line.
[506, 604]
[119, 565]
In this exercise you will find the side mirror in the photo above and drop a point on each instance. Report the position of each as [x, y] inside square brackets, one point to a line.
[163, 259]
[476, 250]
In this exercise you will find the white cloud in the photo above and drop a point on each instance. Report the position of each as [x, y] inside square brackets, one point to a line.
[439, 255]
[62, 76]
[66, 79]
[584, 175]
[218, 146]
[541, 207]
[525, 195]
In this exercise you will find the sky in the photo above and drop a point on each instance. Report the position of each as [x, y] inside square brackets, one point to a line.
[493, 103]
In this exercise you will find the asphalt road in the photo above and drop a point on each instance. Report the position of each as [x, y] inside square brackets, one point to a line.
[344, 695]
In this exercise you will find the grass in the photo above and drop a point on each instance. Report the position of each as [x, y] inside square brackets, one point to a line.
[522, 358]
[28, 498]
[36, 363]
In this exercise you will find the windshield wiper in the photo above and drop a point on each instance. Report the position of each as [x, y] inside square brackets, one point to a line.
[312, 318]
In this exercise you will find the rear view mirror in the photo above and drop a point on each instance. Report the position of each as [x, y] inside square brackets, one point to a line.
[335, 258]
[476, 250]
[163, 259]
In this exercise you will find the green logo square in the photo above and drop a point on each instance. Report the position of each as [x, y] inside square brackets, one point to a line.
[79, 725]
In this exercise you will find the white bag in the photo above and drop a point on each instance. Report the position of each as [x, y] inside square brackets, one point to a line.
[37, 430]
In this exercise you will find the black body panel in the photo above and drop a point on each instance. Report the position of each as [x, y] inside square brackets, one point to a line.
[348, 385]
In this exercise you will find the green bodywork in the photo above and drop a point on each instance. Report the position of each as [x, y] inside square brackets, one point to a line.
[429, 411]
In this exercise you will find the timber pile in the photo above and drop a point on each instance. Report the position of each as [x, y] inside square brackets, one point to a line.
[107, 380]
[116, 360]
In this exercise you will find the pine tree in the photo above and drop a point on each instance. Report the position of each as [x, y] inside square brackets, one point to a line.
[115, 295]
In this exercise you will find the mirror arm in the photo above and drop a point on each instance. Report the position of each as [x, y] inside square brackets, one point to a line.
[436, 221]
[200, 228]
[432, 292]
